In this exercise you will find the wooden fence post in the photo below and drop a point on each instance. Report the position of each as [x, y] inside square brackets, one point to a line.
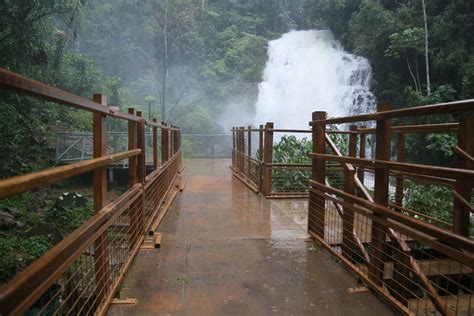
[164, 143]
[100, 199]
[260, 157]
[155, 145]
[268, 159]
[142, 146]
[463, 188]
[349, 187]
[132, 144]
[242, 150]
[399, 179]
[362, 143]
[249, 151]
[316, 219]
[383, 139]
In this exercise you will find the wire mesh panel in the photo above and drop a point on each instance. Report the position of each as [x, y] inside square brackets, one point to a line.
[420, 275]
[290, 179]
[397, 224]
[88, 282]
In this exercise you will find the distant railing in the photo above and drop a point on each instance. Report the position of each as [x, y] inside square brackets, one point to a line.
[80, 275]
[72, 146]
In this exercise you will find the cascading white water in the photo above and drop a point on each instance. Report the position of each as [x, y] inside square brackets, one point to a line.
[309, 71]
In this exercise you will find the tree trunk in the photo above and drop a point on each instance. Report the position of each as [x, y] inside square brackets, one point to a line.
[428, 88]
[411, 73]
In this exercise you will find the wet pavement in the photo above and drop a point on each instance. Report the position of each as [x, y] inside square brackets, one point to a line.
[225, 250]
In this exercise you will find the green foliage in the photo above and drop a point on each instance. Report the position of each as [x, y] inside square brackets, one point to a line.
[291, 150]
[432, 200]
[18, 252]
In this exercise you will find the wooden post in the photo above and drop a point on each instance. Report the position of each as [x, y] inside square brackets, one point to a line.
[141, 170]
[399, 179]
[249, 151]
[383, 139]
[100, 199]
[164, 143]
[317, 213]
[233, 146]
[349, 187]
[268, 159]
[132, 144]
[360, 170]
[155, 146]
[260, 157]
[242, 149]
[463, 188]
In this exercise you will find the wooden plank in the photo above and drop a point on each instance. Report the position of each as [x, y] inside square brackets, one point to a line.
[132, 145]
[31, 181]
[141, 164]
[268, 159]
[101, 257]
[441, 108]
[318, 173]
[155, 145]
[124, 301]
[349, 187]
[450, 173]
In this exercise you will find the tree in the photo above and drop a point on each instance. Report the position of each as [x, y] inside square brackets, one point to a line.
[427, 62]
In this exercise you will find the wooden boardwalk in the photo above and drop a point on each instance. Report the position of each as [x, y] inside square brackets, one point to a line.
[226, 250]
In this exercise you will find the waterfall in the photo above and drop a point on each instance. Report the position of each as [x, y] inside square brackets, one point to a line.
[309, 71]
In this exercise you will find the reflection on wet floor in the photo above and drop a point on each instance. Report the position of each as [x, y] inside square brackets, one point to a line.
[226, 250]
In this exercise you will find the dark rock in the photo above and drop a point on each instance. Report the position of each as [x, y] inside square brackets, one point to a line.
[7, 220]
[49, 230]
[9, 209]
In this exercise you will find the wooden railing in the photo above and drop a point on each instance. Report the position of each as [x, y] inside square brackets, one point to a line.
[81, 274]
[419, 261]
[253, 163]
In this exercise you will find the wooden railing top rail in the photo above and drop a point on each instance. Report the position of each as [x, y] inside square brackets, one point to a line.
[35, 180]
[445, 172]
[14, 81]
[441, 108]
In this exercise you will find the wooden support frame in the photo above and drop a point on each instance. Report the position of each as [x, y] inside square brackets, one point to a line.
[155, 145]
[100, 198]
[349, 187]
[378, 232]
[268, 159]
[318, 173]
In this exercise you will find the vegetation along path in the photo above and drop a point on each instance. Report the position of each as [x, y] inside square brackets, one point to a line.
[226, 250]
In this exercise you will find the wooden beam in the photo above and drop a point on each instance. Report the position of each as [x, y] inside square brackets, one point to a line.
[35, 180]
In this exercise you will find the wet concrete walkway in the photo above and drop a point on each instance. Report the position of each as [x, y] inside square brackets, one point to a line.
[226, 250]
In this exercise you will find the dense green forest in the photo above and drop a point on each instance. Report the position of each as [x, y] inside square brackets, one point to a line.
[188, 59]
[196, 56]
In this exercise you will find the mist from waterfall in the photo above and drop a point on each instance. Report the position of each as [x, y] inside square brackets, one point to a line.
[309, 71]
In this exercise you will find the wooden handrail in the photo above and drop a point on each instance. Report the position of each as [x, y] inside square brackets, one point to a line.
[451, 173]
[19, 184]
[16, 82]
[441, 108]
